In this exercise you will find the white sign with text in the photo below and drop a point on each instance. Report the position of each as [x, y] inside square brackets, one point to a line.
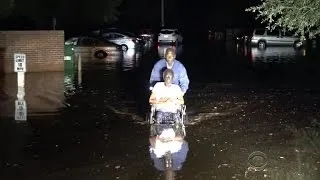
[19, 62]
[21, 110]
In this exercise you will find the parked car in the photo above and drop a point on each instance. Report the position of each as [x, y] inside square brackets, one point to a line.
[125, 40]
[106, 30]
[263, 38]
[243, 37]
[138, 39]
[170, 35]
[102, 31]
[147, 35]
[90, 46]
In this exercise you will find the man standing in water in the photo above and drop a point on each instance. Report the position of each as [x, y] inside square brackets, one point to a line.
[170, 62]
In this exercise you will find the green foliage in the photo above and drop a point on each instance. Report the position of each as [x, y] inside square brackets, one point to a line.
[300, 16]
[6, 7]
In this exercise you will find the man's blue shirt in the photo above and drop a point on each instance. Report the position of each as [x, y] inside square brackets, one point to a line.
[180, 74]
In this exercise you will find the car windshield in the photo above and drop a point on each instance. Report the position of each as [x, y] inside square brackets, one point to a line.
[167, 31]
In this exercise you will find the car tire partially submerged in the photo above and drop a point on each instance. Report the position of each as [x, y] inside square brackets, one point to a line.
[100, 54]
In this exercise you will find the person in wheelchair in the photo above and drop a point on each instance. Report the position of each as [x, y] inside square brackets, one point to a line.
[178, 148]
[167, 98]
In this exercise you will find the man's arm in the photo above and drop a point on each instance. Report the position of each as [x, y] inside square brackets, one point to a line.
[183, 79]
[155, 75]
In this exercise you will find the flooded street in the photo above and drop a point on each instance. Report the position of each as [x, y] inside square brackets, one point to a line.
[252, 114]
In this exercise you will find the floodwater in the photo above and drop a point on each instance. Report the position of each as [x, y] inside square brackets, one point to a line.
[252, 114]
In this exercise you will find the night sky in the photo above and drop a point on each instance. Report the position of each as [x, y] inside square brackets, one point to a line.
[227, 13]
[73, 15]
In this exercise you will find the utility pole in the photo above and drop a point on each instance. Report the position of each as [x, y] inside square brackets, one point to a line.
[162, 13]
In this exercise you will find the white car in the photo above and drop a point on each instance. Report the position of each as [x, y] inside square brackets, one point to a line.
[263, 38]
[94, 47]
[126, 41]
[170, 35]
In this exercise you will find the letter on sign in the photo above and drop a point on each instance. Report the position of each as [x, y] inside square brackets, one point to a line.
[19, 63]
[21, 110]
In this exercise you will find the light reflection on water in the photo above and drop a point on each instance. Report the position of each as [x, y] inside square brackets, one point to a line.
[168, 156]
[43, 92]
[276, 54]
[282, 54]
[219, 148]
[131, 59]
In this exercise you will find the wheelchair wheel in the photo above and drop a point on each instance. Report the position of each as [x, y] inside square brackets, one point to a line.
[185, 119]
[149, 118]
[180, 129]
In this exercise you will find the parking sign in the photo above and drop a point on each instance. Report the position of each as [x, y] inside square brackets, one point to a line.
[19, 62]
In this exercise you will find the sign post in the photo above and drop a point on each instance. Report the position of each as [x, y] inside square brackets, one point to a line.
[79, 70]
[20, 103]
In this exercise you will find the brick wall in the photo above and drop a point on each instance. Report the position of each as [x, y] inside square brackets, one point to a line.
[44, 50]
[44, 93]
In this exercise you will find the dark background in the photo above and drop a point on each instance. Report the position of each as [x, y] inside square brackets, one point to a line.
[81, 16]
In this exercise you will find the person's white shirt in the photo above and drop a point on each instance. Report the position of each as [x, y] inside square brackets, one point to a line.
[172, 146]
[160, 90]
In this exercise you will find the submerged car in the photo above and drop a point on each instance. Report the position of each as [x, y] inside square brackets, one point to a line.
[147, 35]
[90, 46]
[125, 40]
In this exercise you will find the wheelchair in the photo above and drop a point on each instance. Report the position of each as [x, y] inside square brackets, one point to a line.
[178, 125]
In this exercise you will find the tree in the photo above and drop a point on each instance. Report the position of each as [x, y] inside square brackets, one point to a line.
[300, 16]
[6, 7]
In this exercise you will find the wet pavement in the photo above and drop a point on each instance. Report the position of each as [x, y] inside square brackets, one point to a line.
[252, 114]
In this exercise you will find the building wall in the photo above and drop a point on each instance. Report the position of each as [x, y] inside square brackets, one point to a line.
[44, 50]
[44, 93]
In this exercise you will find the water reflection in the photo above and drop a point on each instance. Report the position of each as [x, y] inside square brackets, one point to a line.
[44, 93]
[162, 49]
[276, 54]
[168, 148]
[69, 82]
[127, 61]
[131, 59]
[85, 59]
[20, 105]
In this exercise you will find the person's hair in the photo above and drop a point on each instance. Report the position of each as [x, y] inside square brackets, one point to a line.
[168, 71]
[170, 49]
